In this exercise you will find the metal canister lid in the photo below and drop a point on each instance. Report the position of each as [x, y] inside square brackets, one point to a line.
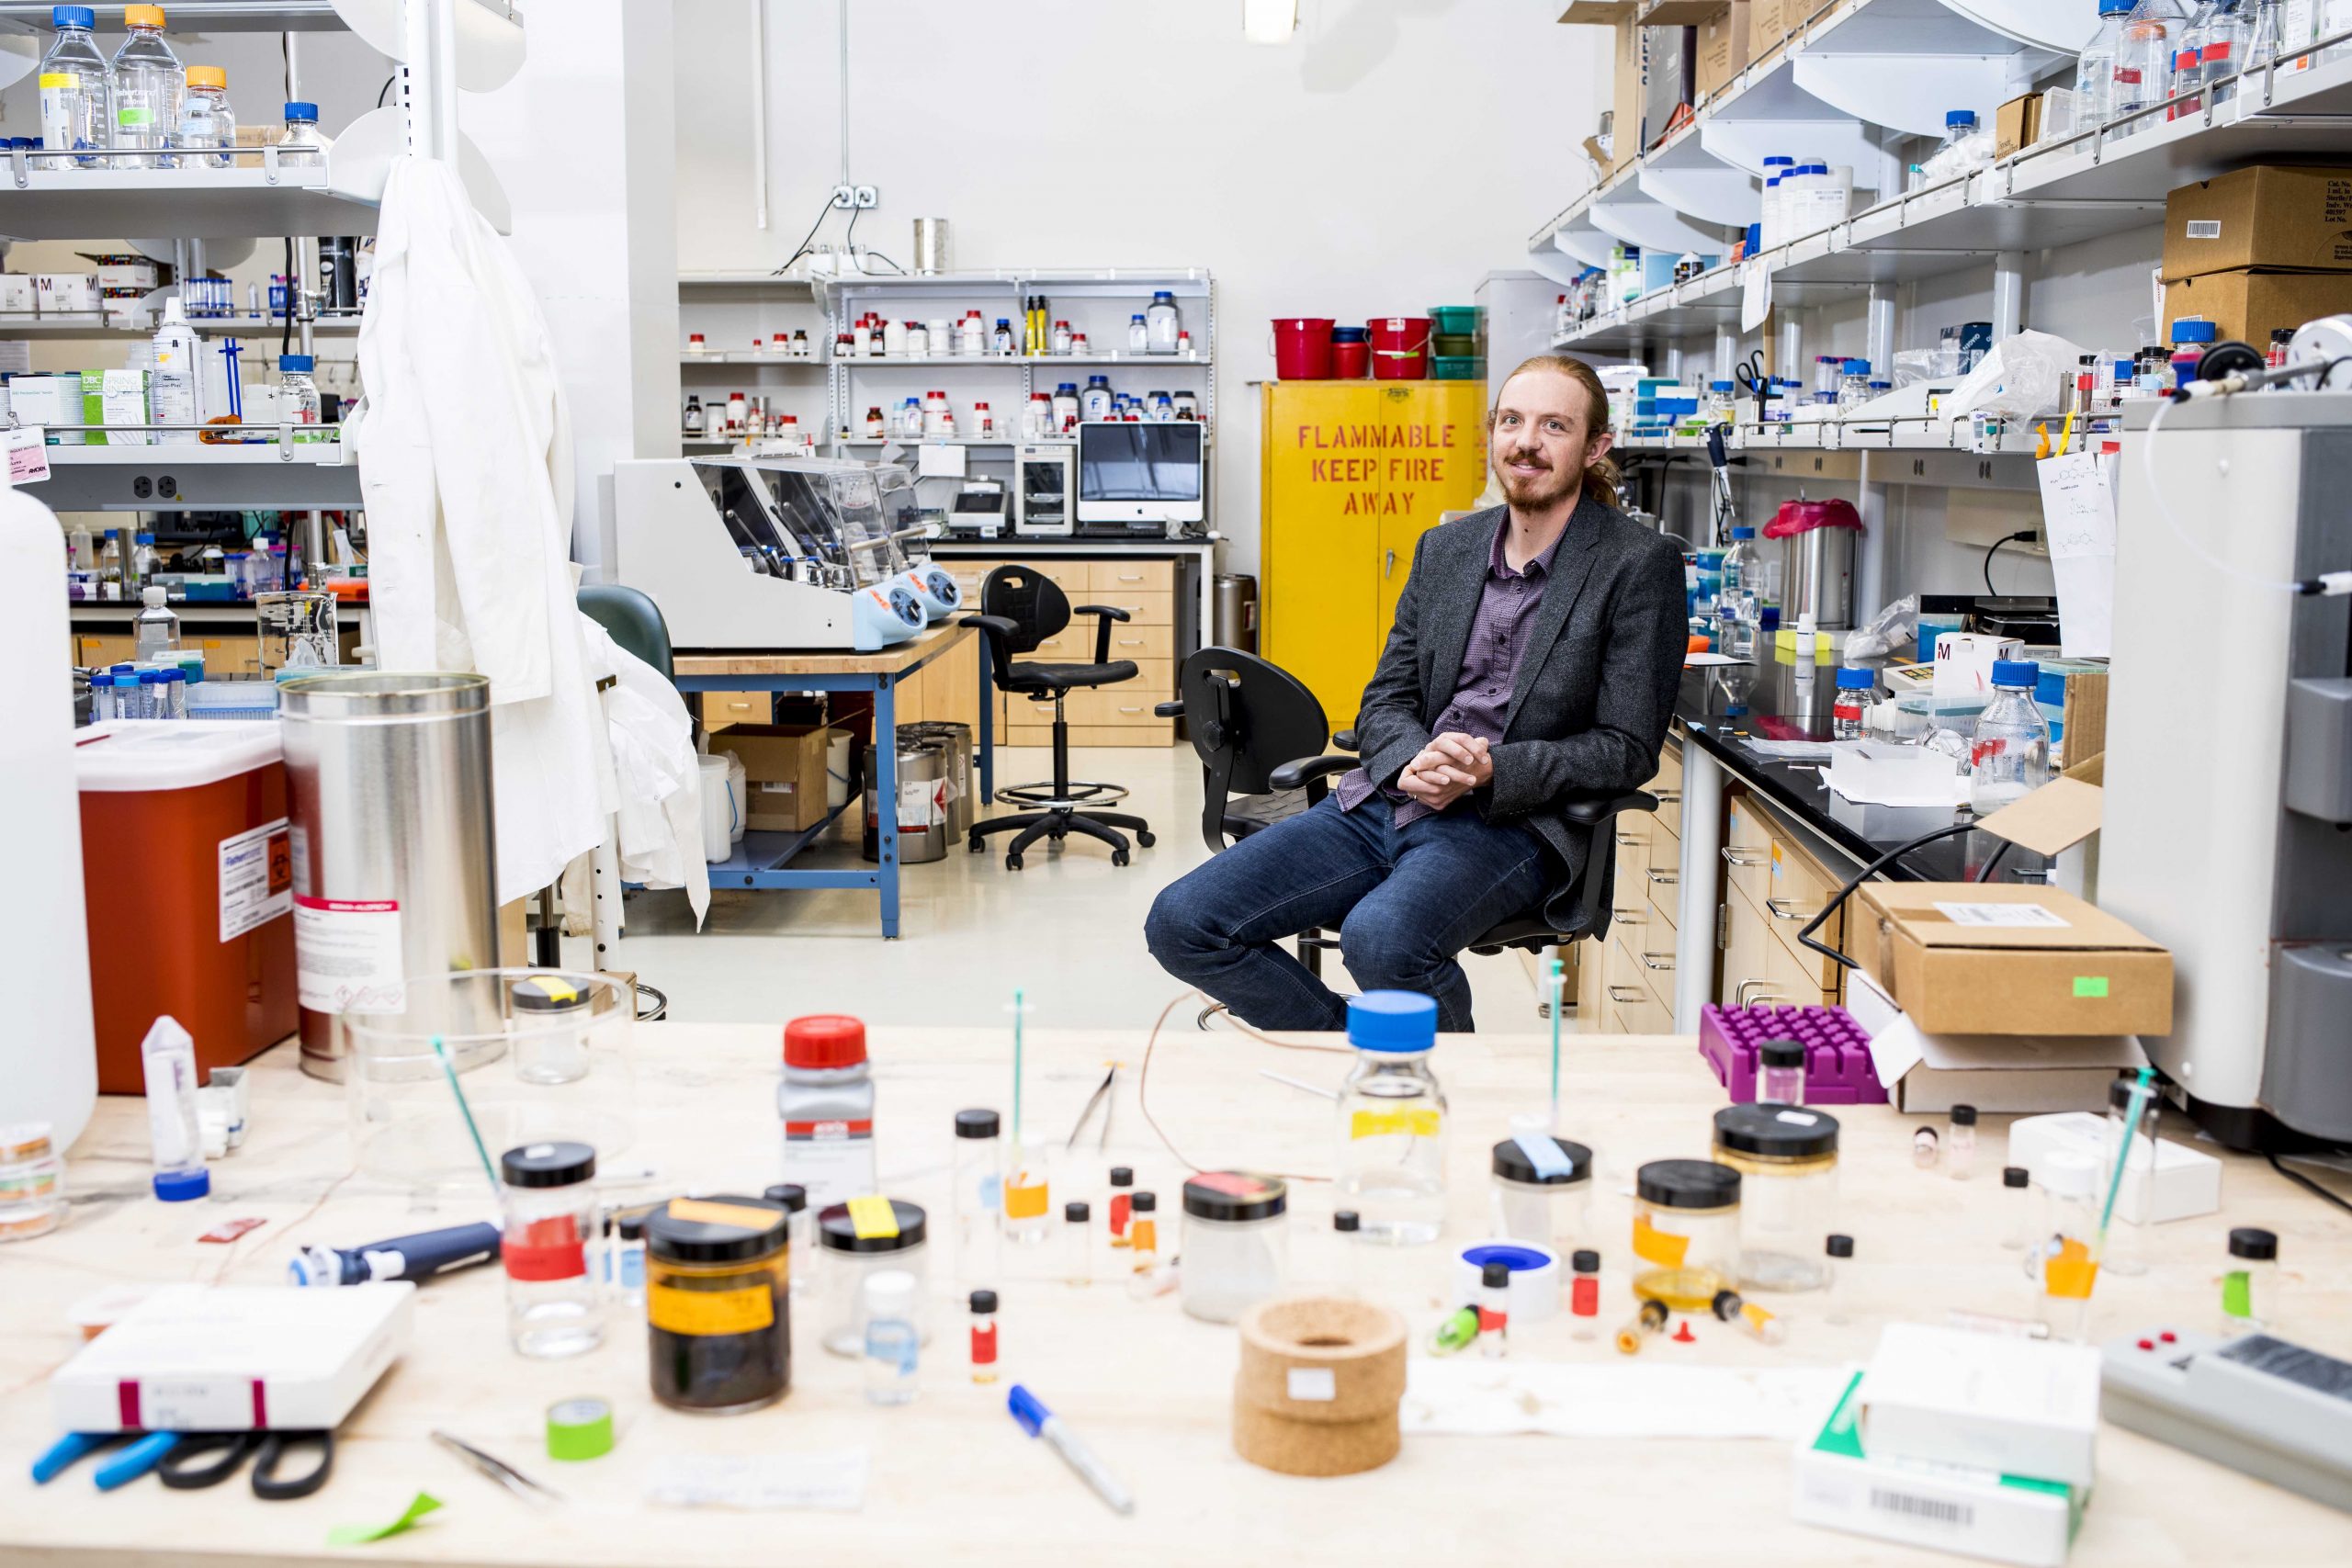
[1782, 1132]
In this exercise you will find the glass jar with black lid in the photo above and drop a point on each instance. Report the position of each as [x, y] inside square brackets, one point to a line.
[1787, 1158]
[865, 1236]
[716, 1292]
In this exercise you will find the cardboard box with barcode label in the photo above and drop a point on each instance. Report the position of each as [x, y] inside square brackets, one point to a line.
[784, 770]
[2268, 216]
[2008, 958]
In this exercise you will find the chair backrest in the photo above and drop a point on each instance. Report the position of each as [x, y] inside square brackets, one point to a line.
[633, 619]
[1031, 601]
[1247, 717]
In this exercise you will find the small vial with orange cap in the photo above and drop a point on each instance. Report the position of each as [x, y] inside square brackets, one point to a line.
[826, 1103]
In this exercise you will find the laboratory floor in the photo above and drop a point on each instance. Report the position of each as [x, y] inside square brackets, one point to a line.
[1067, 927]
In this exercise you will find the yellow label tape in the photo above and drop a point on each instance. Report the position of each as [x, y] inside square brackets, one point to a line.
[1025, 1203]
[2070, 1275]
[703, 1212]
[1654, 1245]
[1419, 1123]
[707, 1313]
[870, 1217]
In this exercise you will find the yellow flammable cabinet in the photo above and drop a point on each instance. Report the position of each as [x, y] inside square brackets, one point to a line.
[1355, 473]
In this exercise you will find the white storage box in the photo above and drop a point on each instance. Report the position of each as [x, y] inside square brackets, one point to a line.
[2165, 1182]
[66, 290]
[1988, 1400]
[17, 294]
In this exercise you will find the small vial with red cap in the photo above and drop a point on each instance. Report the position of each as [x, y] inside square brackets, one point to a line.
[1584, 1293]
[826, 1103]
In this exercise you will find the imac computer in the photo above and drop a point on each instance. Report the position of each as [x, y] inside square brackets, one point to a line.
[1147, 479]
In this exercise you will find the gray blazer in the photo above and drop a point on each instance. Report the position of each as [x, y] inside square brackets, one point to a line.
[1595, 688]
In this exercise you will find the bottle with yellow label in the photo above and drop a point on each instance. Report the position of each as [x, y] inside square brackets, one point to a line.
[1392, 1121]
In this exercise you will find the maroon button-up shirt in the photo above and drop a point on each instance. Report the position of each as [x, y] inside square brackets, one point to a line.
[1489, 665]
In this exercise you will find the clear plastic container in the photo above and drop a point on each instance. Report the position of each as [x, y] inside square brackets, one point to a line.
[862, 1239]
[156, 632]
[1391, 1120]
[976, 1195]
[1787, 1158]
[717, 1304]
[207, 125]
[33, 1181]
[1543, 1191]
[2061, 1260]
[1237, 1243]
[1854, 384]
[76, 88]
[2008, 751]
[2220, 35]
[825, 1101]
[148, 82]
[893, 1344]
[1162, 322]
[2144, 60]
[1686, 1231]
[302, 144]
[299, 397]
[549, 1196]
[2250, 1282]
[1827, 368]
[2094, 67]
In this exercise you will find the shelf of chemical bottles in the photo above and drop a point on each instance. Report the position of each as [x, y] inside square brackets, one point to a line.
[1107, 280]
[704, 356]
[40, 200]
[775, 280]
[226, 15]
[1047, 361]
[93, 324]
[1962, 437]
[1696, 187]
[194, 475]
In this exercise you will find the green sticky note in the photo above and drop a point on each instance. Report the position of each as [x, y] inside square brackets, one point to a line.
[2091, 986]
[360, 1535]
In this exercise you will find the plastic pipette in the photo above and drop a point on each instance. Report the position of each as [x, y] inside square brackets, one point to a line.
[2123, 1153]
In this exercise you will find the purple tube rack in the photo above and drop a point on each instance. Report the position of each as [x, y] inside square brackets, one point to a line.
[1837, 1067]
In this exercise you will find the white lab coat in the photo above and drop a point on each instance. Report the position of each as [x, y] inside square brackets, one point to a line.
[464, 448]
[656, 773]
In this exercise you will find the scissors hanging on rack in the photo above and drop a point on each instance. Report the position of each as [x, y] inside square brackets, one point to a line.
[1753, 382]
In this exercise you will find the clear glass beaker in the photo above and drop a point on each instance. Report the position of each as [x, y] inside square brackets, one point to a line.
[466, 1032]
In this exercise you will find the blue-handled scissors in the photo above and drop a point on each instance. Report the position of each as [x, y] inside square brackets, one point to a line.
[144, 1453]
[1749, 374]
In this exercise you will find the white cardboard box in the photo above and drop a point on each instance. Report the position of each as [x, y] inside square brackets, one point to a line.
[1964, 661]
[16, 296]
[66, 290]
[1927, 1073]
[1945, 1508]
[2168, 1182]
[1986, 1401]
[235, 1358]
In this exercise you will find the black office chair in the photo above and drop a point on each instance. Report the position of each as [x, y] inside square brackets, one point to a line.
[1019, 609]
[1259, 732]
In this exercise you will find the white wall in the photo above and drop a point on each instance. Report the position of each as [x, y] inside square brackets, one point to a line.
[1385, 160]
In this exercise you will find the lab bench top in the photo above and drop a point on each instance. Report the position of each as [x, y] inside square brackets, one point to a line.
[1149, 1388]
[1721, 708]
[920, 649]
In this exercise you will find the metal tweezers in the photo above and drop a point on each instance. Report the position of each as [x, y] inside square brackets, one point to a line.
[1101, 1097]
[498, 1469]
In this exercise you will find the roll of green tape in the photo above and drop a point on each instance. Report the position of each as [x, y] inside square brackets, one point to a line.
[580, 1428]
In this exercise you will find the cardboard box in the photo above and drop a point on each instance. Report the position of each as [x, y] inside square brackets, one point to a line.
[1979, 1512]
[1964, 662]
[2266, 215]
[1994, 1400]
[1768, 22]
[128, 275]
[1627, 141]
[2016, 125]
[1668, 76]
[2247, 306]
[67, 291]
[784, 767]
[16, 298]
[1927, 1074]
[1723, 49]
[2161, 1182]
[2008, 958]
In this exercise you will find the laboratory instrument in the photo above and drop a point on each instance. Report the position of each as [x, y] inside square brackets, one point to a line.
[1077, 1242]
[1455, 1332]
[167, 1057]
[1686, 1230]
[1147, 481]
[1236, 1246]
[125, 1463]
[1494, 1310]
[206, 120]
[2020, 1232]
[549, 1196]
[1039, 1422]
[1756, 1321]
[1391, 1120]
[974, 1194]
[768, 552]
[1837, 1066]
[1044, 486]
[1542, 1189]
[490, 1467]
[624, 1265]
[419, 1256]
[865, 1236]
[76, 87]
[1835, 1250]
[1926, 1148]
[1856, 688]
[551, 1018]
[1787, 1158]
[2253, 1401]
[1143, 1243]
[302, 144]
[893, 1348]
[1648, 1318]
[1960, 1151]
[2125, 1254]
[718, 1321]
[826, 1103]
[2063, 1259]
[983, 1335]
[1122, 1181]
[148, 80]
[1347, 1225]
[2250, 1281]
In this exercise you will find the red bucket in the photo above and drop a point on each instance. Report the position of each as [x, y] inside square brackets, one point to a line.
[1303, 348]
[1400, 347]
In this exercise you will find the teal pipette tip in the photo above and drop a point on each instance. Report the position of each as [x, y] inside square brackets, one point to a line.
[449, 1070]
[1555, 982]
[1019, 1006]
[2123, 1149]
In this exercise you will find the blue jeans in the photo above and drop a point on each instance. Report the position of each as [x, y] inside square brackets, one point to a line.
[1404, 901]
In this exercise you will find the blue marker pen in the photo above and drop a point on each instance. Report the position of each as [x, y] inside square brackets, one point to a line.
[1040, 1422]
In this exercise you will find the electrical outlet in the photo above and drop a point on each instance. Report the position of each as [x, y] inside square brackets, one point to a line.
[844, 197]
[868, 196]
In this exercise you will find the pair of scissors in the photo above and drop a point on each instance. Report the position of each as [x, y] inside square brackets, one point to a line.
[1752, 381]
[207, 1458]
[143, 1451]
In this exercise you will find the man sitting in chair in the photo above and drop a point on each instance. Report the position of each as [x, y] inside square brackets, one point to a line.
[1535, 653]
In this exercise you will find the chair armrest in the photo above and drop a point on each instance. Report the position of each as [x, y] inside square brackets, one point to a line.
[1345, 739]
[1105, 615]
[993, 628]
[1597, 807]
[1295, 776]
[1167, 710]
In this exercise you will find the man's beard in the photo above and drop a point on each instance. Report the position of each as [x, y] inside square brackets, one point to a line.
[1536, 492]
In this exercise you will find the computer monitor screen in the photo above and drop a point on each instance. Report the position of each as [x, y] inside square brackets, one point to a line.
[1141, 472]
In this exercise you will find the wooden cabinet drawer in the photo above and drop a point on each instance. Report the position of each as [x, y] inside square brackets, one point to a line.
[720, 709]
[1639, 1013]
[1140, 642]
[1071, 575]
[1668, 788]
[1158, 732]
[1747, 851]
[1663, 885]
[1129, 702]
[1130, 577]
[1143, 609]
